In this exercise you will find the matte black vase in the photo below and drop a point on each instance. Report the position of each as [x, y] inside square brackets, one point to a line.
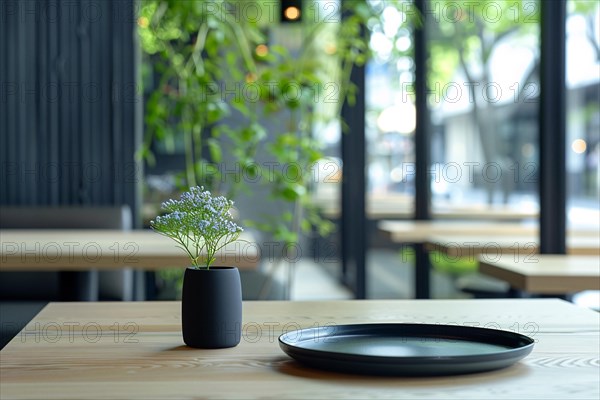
[211, 307]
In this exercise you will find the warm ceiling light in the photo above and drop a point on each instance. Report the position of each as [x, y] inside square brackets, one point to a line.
[250, 77]
[292, 13]
[143, 22]
[261, 50]
[330, 48]
[579, 146]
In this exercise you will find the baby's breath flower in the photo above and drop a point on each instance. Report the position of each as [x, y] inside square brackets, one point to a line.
[198, 222]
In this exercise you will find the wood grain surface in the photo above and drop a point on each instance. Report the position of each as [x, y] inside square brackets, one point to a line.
[135, 350]
[39, 250]
[420, 231]
[545, 274]
[398, 205]
[524, 246]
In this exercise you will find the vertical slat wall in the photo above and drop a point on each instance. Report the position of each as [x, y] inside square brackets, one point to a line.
[69, 105]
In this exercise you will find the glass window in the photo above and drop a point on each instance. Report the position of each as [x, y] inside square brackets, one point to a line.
[484, 96]
[583, 113]
[390, 116]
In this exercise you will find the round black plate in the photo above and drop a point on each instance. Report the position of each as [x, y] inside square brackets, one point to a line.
[405, 349]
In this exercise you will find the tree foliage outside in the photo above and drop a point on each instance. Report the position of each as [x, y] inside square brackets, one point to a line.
[465, 43]
[466, 39]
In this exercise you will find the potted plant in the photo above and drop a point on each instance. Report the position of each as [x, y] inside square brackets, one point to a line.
[211, 306]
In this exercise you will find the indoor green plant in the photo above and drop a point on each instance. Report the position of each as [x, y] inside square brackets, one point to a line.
[192, 48]
[196, 52]
[215, 75]
[211, 306]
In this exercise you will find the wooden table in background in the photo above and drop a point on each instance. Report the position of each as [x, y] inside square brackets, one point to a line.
[85, 252]
[397, 205]
[545, 274]
[418, 233]
[470, 246]
[135, 351]
[69, 250]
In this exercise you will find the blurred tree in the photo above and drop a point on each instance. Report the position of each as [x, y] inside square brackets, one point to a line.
[464, 37]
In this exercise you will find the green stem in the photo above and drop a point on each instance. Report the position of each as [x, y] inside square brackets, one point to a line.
[184, 246]
[196, 56]
[189, 158]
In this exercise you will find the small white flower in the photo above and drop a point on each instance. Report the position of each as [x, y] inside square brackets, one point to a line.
[201, 218]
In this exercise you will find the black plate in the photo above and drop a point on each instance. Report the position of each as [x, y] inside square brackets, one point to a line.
[405, 349]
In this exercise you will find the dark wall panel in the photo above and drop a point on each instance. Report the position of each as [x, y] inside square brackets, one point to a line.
[69, 105]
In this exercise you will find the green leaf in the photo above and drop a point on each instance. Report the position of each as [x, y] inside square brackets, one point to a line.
[240, 105]
[214, 147]
[306, 226]
[259, 131]
[252, 170]
[293, 192]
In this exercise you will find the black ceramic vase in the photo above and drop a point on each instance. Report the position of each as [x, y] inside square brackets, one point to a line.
[211, 307]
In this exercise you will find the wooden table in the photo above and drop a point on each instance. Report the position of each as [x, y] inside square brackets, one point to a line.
[135, 350]
[416, 233]
[545, 274]
[445, 236]
[42, 250]
[80, 254]
[397, 205]
[421, 231]
[524, 246]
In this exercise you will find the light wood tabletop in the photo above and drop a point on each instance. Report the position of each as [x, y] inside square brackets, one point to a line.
[39, 250]
[420, 231]
[397, 205]
[524, 246]
[135, 350]
[544, 273]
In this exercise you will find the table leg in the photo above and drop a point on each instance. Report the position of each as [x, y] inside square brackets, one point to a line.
[422, 271]
[517, 293]
[151, 293]
[78, 285]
